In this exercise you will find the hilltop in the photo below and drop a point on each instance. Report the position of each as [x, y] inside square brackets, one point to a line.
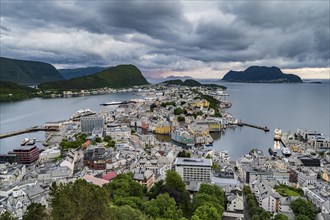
[27, 72]
[261, 74]
[74, 73]
[120, 76]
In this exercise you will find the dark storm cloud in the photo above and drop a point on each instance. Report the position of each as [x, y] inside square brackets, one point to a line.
[167, 35]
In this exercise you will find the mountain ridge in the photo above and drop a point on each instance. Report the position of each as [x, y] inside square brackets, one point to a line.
[82, 71]
[27, 72]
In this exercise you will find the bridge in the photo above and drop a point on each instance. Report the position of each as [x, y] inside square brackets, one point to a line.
[27, 130]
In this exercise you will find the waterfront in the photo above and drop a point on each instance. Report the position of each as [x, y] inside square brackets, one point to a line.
[285, 106]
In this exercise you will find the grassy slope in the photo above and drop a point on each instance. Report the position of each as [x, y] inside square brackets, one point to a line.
[115, 77]
[10, 91]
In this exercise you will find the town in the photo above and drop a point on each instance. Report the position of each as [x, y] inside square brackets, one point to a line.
[166, 131]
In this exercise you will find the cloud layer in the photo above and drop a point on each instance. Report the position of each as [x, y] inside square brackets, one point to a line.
[201, 39]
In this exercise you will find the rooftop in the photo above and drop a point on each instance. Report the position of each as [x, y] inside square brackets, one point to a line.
[180, 161]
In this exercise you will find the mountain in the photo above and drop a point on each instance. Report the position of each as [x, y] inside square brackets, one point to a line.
[27, 72]
[114, 77]
[261, 74]
[187, 82]
[10, 91]
[74, 73]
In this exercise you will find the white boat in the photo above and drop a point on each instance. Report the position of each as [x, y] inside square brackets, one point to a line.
[111, 103]
[81, 113]
[285, 151]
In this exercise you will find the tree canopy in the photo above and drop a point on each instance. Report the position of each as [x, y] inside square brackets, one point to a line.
[304, 208]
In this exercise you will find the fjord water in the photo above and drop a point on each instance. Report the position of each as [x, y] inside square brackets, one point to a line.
[285, 106]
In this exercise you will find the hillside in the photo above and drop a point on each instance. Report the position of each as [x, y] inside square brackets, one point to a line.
[27, 72]
[74, 73]
[114, 77]
[191, 82]
[10, 91]
[261, 74]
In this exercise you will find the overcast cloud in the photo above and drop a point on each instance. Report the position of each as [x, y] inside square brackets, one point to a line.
[199, 38]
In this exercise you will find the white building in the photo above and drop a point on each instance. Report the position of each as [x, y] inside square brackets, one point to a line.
[194, 169]
[314, 196]
[49, 154]
[235, 203]
[307, 177]
[119, 133]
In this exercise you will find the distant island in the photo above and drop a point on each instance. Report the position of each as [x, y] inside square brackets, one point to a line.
[27, 72]
[261, 74]
[121, 76]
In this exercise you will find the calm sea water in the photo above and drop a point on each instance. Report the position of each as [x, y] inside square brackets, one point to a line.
[285, 106]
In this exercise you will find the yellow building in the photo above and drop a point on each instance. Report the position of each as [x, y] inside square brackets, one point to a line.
[163, 128]
[200, 103]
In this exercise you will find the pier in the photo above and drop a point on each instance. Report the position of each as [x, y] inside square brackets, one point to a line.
[241, 124]
[27, 130]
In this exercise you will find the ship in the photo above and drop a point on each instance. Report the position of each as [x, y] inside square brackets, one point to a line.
[272, 152]
[31, 141]
[285, 151]
[278, 134]
[82, 113]
[24, 141]
[112, 103]
[28, 141]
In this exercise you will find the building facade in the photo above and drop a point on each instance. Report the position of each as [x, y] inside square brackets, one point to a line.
[194, 169]
[89, 123]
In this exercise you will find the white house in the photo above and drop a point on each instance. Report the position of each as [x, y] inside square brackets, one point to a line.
[235, 203]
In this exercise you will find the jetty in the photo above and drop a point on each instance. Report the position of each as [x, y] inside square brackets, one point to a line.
[241, 124]
[27, 130]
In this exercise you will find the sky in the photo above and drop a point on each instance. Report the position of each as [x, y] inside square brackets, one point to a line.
[201, 39]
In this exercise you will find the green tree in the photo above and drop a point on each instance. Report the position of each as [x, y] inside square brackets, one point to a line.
[178, 111]
[124, 186]
[7, 216]
[184, 153]
[303, 207]
[36, 211]
[281, 217]
[134, 202]
[205, 199]
[174, 180]
[206, 212]
[213, 190]
[181, 118]
[125, 212]
[163, 207]
[302, 217]
[79, 200]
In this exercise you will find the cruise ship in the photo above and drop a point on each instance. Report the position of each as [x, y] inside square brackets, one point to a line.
[285, 151]
[81, 113]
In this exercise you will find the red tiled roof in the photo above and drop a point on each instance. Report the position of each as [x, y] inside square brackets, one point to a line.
[94, 180]
[109, 176]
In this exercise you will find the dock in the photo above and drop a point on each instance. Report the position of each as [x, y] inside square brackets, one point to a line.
[241, 124]
[27, 130]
